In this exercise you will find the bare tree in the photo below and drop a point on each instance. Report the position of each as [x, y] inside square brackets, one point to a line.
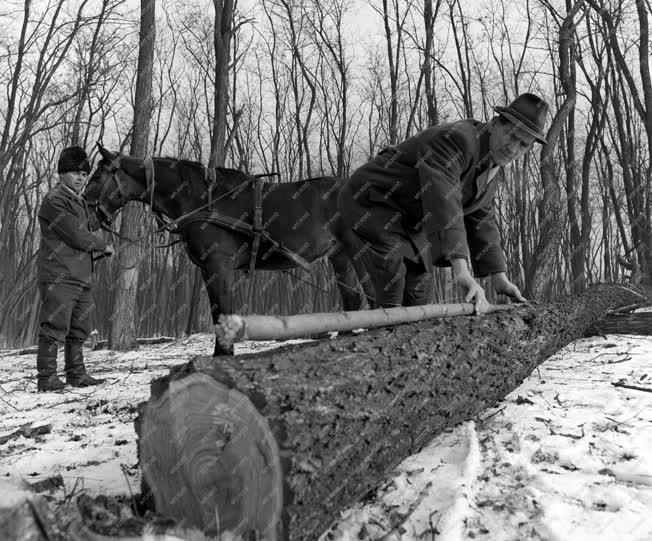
[540, 267]
[122, 333]
[429, 18]
[641, 183]
[326, 21]
[222, 33]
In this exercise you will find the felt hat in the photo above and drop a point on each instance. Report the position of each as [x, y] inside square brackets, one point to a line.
[527, 112]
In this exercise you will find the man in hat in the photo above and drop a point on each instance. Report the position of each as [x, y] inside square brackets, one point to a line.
[429, 200]
[65, 267]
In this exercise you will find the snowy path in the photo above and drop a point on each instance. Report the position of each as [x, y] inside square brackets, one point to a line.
[565, 456]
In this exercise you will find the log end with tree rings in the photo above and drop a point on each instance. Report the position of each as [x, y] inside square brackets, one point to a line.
[211, 459]
[229, 330]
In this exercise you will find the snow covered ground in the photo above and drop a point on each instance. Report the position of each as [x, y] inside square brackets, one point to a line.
[567, 455]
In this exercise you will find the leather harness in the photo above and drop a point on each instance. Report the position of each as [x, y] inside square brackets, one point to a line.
[202, 214]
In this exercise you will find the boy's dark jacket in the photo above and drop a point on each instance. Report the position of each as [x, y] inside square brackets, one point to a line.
[67, 242]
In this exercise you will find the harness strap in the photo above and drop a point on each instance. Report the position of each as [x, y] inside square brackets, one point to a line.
[150, 183]
[264, 175]
[243, 227]
[208, 182]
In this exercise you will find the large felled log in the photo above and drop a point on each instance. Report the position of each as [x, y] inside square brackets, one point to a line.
[329, 420]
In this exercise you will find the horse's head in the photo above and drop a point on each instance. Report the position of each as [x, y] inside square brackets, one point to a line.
[116, 180]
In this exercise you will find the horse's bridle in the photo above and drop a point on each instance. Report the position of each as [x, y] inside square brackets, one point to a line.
[173, 226]
[107, 216]
[150, 188]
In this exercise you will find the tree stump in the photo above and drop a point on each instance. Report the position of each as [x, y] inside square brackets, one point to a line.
[328, 421]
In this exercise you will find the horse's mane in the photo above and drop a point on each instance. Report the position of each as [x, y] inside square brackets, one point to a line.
[223, 175]
[197, 167]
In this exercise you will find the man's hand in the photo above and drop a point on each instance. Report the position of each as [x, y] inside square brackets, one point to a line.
[109, 251]
[503, 285]
[473, 289]
[474, 292]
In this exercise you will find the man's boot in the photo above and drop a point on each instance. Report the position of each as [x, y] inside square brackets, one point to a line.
[46, 366]
[75, 370]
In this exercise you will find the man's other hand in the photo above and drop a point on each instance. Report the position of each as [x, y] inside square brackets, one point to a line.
[474, 292]
[503, 285]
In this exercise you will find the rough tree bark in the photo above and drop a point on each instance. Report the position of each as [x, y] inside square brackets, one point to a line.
[122, 334]
[327, 421]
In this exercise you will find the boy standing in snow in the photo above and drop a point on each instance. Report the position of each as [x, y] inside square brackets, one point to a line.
[64, 274]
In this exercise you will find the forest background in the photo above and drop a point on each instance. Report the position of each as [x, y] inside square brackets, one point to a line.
[316, 87]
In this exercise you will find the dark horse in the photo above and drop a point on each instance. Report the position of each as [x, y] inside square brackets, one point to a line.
[300, 222]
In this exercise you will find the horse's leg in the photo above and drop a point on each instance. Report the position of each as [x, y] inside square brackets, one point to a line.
[213, 249]
[347, 280]
[218, 279]
[348, 264]
[364, 279]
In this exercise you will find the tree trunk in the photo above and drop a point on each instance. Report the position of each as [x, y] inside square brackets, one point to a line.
[577, 248]
[393, 62]
[646, 82]
[541, 267]
[333, 418]
[123, 330]
[643, 106]
[222, 43]
[86, 77]
[192, 326]
[431, 98]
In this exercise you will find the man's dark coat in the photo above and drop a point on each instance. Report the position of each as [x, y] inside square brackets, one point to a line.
[434, 180]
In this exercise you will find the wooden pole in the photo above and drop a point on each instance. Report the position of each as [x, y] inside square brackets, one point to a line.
[234, 328]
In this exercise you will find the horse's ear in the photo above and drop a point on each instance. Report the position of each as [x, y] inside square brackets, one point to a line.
[104, 152]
